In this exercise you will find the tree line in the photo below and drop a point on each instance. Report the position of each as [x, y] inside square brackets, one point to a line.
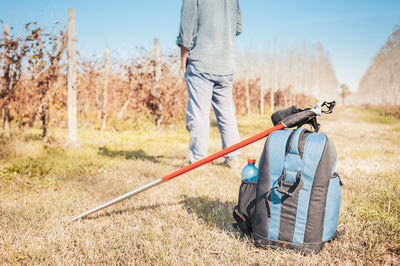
[299, 75]
[380, 84]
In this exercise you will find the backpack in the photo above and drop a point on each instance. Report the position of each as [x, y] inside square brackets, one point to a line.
[296, 200]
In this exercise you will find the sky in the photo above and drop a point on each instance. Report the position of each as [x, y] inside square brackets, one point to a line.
[351, 31]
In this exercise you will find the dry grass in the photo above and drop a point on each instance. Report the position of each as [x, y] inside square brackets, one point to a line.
[187, 220]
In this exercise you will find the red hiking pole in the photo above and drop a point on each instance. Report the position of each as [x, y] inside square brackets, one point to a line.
[181, 171]
[295, 119]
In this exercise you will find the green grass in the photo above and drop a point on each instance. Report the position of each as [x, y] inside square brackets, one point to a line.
[52, 165]
[187, 220]
[376, 116]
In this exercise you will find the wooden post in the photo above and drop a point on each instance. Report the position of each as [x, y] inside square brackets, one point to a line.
[274, 82]
[132, 86]
[126, 103]
[6, 118]
[272, 98]
[247, 93]
[103, 110]
[72, 106]
[262, 82]
[157, 55]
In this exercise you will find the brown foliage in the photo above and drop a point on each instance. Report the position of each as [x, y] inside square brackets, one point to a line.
[34, 85]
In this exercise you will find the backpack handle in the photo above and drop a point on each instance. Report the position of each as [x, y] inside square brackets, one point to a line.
[298, 186]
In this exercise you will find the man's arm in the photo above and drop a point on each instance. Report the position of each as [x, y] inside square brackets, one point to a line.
[184, 58]
[239, 28]
[187, 29]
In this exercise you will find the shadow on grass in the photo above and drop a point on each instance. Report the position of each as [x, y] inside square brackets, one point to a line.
[213, 212]
[137, 154]
[140, 208]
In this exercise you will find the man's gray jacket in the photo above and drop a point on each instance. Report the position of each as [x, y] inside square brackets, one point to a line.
[208, 29]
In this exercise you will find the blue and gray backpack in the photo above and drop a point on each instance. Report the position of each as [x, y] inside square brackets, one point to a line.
[296, 200]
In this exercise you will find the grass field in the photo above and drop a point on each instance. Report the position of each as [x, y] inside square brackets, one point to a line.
[187, 220]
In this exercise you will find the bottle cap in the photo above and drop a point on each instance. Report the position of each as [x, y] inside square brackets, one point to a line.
[251, 161]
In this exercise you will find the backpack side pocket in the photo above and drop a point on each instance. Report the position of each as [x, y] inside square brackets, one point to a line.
[244, 211]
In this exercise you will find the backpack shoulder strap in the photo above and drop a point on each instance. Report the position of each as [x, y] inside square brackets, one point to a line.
[294, 142]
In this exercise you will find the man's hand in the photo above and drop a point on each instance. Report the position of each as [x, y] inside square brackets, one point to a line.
[184, 58]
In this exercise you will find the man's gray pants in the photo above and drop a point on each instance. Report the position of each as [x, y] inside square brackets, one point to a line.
[205, 90]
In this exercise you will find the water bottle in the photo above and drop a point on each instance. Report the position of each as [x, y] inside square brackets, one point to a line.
[250, 171]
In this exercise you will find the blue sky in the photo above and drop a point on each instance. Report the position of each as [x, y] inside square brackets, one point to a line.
[351, 31]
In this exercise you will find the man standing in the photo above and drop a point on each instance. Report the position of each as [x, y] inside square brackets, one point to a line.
[207, 41]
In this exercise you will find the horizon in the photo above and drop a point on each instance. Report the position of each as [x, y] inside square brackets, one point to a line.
[352, 33]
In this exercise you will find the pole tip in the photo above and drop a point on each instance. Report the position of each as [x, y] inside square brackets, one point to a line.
[70, 220]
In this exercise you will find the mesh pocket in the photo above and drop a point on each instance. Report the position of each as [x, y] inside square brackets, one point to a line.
[246, 206]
